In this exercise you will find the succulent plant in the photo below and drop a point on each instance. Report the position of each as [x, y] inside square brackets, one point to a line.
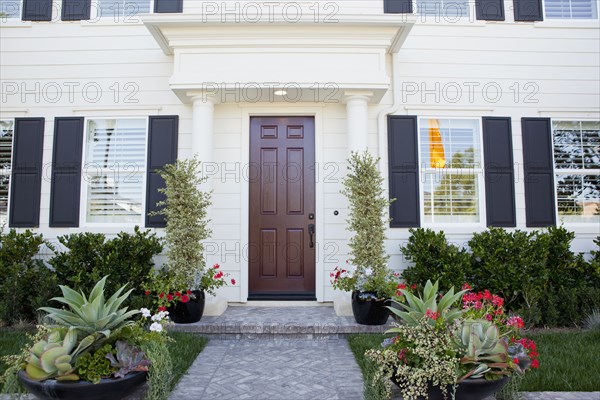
[52, 358]
[418, 307]
[484, 350]
[128, 359]
[92, 315]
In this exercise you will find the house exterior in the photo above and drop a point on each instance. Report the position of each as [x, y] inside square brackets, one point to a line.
[483, 113]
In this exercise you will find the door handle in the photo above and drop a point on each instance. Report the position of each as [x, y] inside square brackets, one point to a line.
[311, 233]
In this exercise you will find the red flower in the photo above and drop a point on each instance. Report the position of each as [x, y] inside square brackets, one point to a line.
[177, 294]
[413, 286]
[477, 305]
[218, 275]
[147, 292]
[162, 308]
[160, 296]
[189, 292]
[497, 301]
[432, 315]
[487, 295]
[402, 286]
[466, 286]
[169, 297]
[216, 266]
[488, 317]
[185, 298]
[535, 364]
[232, 281]
[516, 360]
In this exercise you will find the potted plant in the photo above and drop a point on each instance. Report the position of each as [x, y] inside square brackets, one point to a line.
[179, 285]
[371, 282]
[440, 351]
[92, 349]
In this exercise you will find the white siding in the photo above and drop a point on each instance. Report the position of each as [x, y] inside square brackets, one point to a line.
[556, 64]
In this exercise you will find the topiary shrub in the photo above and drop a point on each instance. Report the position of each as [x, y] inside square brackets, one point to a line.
[25, 282]
[435, 259]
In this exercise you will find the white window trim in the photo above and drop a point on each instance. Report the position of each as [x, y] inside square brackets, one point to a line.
[550, 19]
[582, 224]
[480, 179]
[83, 205]
[18, 16]
[9, 172]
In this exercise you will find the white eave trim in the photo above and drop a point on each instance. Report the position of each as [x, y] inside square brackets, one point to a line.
[156, 22]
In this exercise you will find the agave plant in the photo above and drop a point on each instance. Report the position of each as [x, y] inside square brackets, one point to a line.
[92, 315]
[416, 308]
[485, 352]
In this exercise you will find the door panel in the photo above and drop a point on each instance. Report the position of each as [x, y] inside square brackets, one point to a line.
[282, 195]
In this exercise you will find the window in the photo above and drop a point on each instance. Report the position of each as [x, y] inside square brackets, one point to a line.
[577, 169]
[10, 9]
[451, 173]
[571, 9]
[128, 9]
[446, 8]
[6, 138]
[114, 170]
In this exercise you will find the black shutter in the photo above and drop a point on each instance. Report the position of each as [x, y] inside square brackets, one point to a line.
[403, 162]
[397, 6]
[37, 10]
[528, 10]
[539, 172]
[490, 10]
[162, 150]
[66, 172]
[168, 6]
[26, 179]
[499, 172]
[76, 10]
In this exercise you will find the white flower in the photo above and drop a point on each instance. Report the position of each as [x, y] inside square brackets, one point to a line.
[368, 271]
[145, 312]
[156, 327]
[156, 317]
[164, 314]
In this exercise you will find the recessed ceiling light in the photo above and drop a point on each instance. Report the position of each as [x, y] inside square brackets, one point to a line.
[280, 93]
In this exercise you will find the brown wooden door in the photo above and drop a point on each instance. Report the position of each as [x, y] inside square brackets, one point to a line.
[282, 202]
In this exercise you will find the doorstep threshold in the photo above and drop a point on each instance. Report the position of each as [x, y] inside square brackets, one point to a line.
[281, 303]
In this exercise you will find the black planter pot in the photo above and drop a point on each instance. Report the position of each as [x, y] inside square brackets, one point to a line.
[368, 310]
[106, 389]
[469, 389]
[190, 312]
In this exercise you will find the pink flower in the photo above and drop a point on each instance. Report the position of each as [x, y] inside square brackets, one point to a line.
[488, 317]
[232, 281]
[466, 286]
[477, 305]
[216, 266]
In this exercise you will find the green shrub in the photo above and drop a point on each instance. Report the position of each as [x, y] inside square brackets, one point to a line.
[25, 282]
[537, 273]
[436, 260]
[126, 259]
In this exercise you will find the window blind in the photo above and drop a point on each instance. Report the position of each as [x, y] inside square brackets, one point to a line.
[6, 140]
[10, 8]
[114, 169]
[571, 9]
[127, 8]
[447, 8]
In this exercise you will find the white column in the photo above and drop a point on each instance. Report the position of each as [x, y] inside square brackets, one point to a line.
[357, 118]
[202, 133]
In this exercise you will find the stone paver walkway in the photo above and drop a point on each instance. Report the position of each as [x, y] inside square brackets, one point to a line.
[265, 369]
